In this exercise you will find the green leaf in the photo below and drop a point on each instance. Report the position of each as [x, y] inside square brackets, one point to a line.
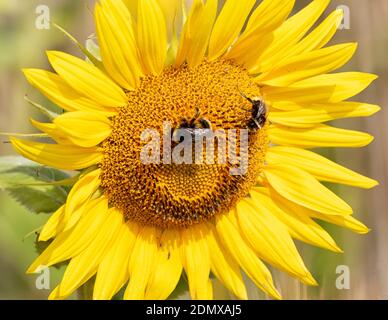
[25, 181]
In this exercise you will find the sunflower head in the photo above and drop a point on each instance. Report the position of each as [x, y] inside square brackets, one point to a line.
[239, 67]
[168, 194]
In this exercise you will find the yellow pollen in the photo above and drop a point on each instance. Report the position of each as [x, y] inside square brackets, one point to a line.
[179, 195]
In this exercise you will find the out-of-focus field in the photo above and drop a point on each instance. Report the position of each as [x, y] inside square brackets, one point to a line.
[22, 45]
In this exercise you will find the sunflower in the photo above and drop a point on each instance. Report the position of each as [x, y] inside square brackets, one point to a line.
[144, 226]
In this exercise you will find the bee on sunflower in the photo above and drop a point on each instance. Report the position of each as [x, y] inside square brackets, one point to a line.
[142, 226]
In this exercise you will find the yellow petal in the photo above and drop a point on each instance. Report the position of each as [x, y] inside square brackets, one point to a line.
[196, 32]
[225, 269]
[331, 88]
[344, 221]
[228, 26]
[113, 271]
[299, 224]
[269, 15]
[142, 263]
[74, 241]
[196, 260]
[245, 257]
[53, 225]
[318, 113]
[278, 106]
[79, 196]
[302, 188]
[303, 213]
[168, 269]
[307, 65]
[59, 92]
[173, 10]
[77, 201]
[347, 84]
[319, 37]
[151, 36]
[294, 96]
[270, 239]
[54, 295]
[174, 15]
[132, 6]
[58, 156]
[288, 34]
[85, 129]
[84, 266]
[321, 168]
[318, 136]
[117, 43]
[52, 130]
[172, 51]
[87, 79]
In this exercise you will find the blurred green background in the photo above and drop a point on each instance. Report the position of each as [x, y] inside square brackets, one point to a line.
[23, 45]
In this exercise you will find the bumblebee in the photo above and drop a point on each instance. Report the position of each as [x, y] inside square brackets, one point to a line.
[258, 113]
[197, 127]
